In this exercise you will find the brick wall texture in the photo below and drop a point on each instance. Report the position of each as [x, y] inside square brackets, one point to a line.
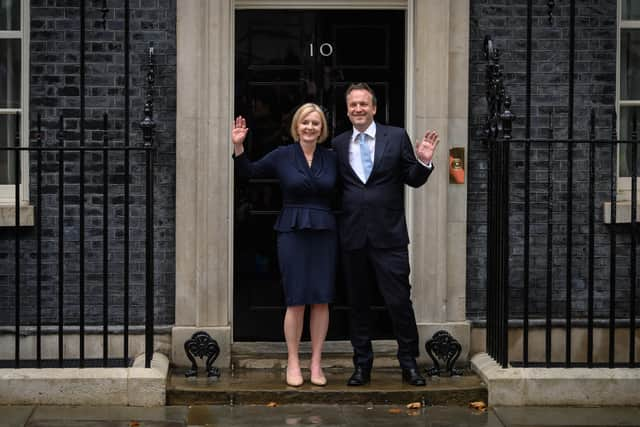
[595, 87]
[54, 91]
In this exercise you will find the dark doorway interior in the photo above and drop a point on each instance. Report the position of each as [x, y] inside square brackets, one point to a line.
[283, 59]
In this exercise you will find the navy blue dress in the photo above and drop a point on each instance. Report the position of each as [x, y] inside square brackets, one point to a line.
[307, 236]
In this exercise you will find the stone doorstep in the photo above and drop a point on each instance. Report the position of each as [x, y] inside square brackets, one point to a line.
[557, 386]
[135, 386]
[261, 386]
[332, 360]
[336, 354]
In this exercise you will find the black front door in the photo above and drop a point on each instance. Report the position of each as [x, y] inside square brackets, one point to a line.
[283, 59]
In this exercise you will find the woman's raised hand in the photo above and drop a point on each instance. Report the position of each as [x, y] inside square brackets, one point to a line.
[239, 130]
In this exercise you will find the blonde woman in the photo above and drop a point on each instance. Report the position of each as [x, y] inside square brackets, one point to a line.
[306, 227]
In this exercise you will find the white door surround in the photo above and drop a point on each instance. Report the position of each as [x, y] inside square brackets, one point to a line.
[437, 97]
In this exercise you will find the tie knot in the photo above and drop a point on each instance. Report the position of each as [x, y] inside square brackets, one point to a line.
[362, 137]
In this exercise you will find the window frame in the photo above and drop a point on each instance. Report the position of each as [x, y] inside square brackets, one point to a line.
[624, 182]
[7, 191]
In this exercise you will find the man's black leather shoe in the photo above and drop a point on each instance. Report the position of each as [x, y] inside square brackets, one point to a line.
[361, 376]
[413, 377]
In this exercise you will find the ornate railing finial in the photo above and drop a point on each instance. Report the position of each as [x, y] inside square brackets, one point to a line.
[498, 104]
[147, 124]
[104, 9]
[551, 4]
[507, 118]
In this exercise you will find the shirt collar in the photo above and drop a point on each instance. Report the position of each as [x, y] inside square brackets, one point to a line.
[370, 132]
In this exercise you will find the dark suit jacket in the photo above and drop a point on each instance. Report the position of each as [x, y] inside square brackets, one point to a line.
[375, 211]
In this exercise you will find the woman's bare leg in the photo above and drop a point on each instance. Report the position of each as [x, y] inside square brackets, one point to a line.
[293, 321]
[319, 326]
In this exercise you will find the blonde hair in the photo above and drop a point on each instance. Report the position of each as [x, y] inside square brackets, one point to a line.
[301, 113]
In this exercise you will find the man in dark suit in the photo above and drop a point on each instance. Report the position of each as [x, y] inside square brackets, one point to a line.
[374, 164]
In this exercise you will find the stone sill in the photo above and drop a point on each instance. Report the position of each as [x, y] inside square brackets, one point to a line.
[623, 212]
[8, 215]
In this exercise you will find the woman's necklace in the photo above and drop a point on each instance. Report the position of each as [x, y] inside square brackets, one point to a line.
[309, 157]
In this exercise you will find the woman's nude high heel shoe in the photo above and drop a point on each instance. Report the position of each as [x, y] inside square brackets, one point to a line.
[320, 380]
[294, 380]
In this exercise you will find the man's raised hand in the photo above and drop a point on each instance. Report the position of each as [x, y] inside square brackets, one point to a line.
[426, 147]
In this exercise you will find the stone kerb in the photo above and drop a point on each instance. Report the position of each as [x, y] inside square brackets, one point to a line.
[135, 386]
[557, 386]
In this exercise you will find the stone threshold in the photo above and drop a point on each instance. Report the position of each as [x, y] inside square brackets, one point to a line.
[134, 386]
[335, 354]
[262, 386]
[557, 386]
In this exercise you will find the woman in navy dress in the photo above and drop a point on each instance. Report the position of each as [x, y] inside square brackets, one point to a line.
[306, 227]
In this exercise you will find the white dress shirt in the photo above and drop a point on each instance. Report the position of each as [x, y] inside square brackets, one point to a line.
[355, 160]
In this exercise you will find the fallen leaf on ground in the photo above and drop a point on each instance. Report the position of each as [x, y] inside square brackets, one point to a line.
[479, 405]
[272, 404]
[414, 405]
[134, 424]
[395, 411]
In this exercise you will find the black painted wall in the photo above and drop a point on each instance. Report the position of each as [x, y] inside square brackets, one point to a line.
[54, 91]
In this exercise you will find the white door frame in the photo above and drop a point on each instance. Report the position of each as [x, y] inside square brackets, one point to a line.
[437, 58]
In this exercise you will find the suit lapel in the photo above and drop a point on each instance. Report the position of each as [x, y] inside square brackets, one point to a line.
[343, 148]
[382, 141]
[343, 152]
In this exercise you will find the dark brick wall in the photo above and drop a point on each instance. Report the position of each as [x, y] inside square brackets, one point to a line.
[595, 67]
[54, 91]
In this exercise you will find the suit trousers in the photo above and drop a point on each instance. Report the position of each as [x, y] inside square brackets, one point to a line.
[389, 269]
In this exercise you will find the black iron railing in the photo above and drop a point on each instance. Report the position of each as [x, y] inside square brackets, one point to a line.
[112, 237]
[65, 225]
[553, 255]
[509, 275]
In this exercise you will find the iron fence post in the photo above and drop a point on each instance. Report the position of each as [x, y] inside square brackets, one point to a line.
[148, 128]
[498, 128]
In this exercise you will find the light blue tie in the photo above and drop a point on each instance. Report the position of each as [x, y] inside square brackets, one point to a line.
[365, 156]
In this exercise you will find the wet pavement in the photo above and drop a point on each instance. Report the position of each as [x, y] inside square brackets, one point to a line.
[365, 415]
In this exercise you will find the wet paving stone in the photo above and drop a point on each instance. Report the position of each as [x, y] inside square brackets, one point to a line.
[334, 415]
[15, 416]
[260, 415]
[568, 416]
[109, 413]
[368, 415]
[66, 423]
[429, 416]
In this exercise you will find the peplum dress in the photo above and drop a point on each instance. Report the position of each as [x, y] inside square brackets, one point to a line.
[306, 226]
